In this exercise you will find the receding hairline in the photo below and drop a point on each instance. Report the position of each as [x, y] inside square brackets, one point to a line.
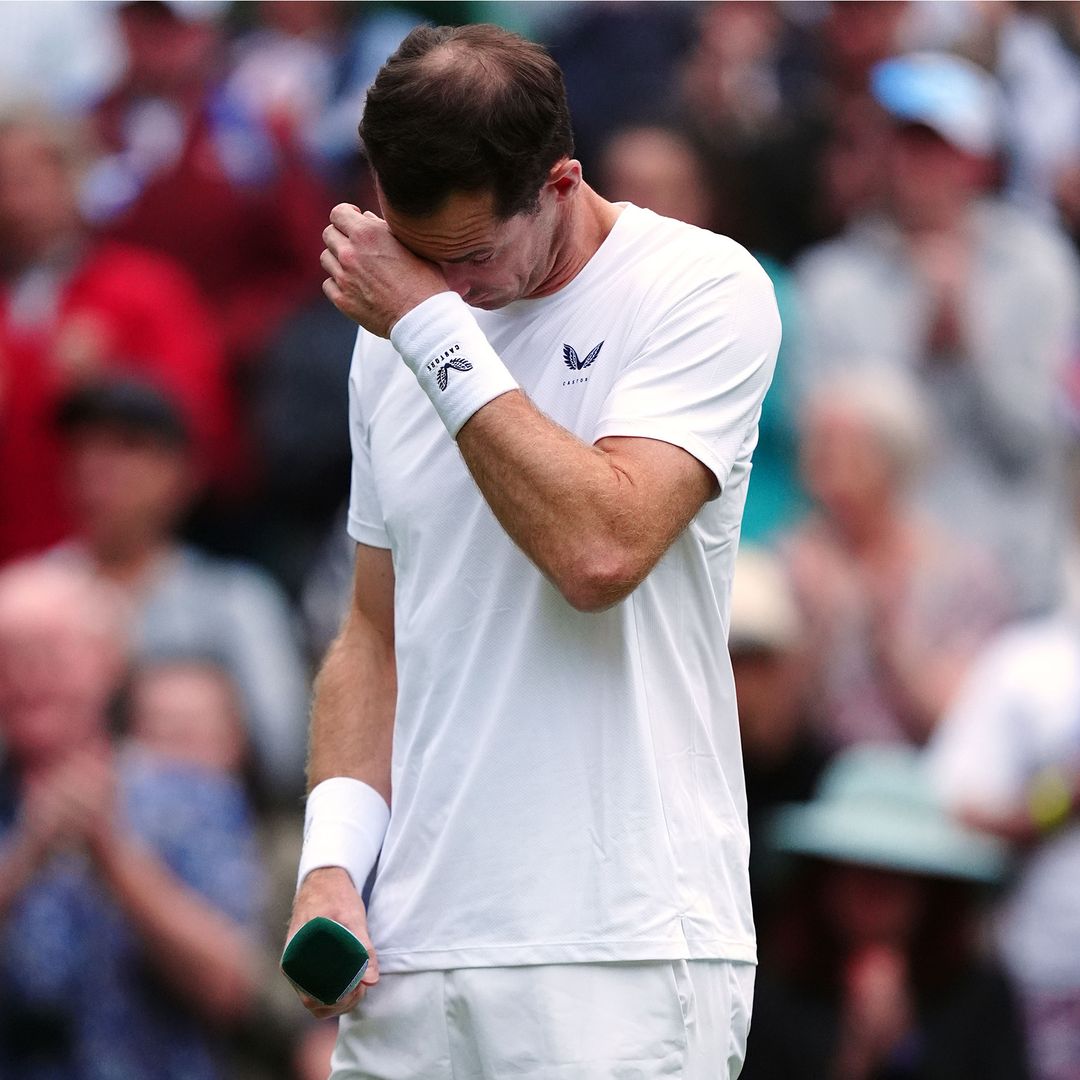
[490, 102]
[481, 64]
[36, 590]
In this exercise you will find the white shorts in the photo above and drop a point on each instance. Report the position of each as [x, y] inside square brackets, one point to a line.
[610, 1021]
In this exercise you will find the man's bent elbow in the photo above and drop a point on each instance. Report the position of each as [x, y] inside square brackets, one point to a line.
[598, 584]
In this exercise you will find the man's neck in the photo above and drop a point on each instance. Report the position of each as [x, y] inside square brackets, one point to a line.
[131, 566]
[877, 536]
[589, 220]
[947, 217]
[35, 769]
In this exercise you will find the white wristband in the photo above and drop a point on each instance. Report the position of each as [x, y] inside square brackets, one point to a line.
[451, 358]
[344, 825]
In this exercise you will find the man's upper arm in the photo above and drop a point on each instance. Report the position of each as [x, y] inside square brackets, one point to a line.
[674, 484]
[699, 380]
[352, 717]
[373, 590]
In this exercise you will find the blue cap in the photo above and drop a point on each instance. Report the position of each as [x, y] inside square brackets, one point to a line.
[950, 95]
[875, 806]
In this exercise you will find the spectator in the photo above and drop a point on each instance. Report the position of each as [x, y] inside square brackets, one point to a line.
[191, 172]
[128, 886]
[1040, 77]
[186, 709]
[301, 423]
[72, 309]
[661, 169]
[853, 167]
[895, 607]
[1006, 758]
[975, 299]
[744, 91]
[620, 64]
[854, 37]
[778, 94]
[131, 480]
[782, 753]
[873, 972]
[34, 36]
[307, 65]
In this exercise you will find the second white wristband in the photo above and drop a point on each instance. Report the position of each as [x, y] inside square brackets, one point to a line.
[345, 821]
[451, 358]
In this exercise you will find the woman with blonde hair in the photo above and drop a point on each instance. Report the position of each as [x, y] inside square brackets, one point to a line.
[895, 606]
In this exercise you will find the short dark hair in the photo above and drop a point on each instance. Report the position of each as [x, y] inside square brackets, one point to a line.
[123, 404]
[466, 108]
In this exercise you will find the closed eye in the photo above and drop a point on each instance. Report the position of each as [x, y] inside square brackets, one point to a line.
[473, 258]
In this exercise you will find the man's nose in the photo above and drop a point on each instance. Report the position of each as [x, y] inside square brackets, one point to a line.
[456, 278]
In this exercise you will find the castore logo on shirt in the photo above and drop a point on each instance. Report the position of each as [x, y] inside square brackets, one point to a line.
[576, 364]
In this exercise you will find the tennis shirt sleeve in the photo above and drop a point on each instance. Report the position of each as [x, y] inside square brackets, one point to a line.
[985, 749]
[365, 518]
[701, 376]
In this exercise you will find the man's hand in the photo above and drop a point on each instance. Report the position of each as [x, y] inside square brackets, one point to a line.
[330, 892]
[877, 1010]
[70, 805]
[944, 261]
[374, 279]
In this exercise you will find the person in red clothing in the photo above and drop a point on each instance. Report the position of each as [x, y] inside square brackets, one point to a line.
[73, 308]
[193, 172]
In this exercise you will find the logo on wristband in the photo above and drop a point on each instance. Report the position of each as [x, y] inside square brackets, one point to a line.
[442, 376]
[442, 371]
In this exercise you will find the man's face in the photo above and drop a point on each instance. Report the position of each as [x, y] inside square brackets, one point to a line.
[166, 54]
[931, 180]
[659, 170]
[490, 262]
[127, 488]
[37, 195]
[187, 711]
[56, 676]
[844, 463]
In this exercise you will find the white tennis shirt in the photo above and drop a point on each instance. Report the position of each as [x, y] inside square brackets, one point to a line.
[567, 786]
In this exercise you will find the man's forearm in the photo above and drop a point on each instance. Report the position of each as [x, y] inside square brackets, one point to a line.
[352, 717]
[19, 861]
[593, 526]
[200, 950]
[352, 727]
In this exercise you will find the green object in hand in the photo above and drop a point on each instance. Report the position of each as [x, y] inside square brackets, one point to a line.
[325, 960]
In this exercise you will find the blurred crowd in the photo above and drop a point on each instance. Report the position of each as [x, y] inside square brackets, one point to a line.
[174, 464]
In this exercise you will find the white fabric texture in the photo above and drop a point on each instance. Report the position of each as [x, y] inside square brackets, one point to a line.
[1019, 713]
[634, 1021]
[567, 787]
[344, 824]
[451, 358]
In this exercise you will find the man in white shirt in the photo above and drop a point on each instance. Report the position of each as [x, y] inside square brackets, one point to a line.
[533, 672]
[1006, 758]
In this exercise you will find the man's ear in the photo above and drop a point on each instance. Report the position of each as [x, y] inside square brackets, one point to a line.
[564, 177]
